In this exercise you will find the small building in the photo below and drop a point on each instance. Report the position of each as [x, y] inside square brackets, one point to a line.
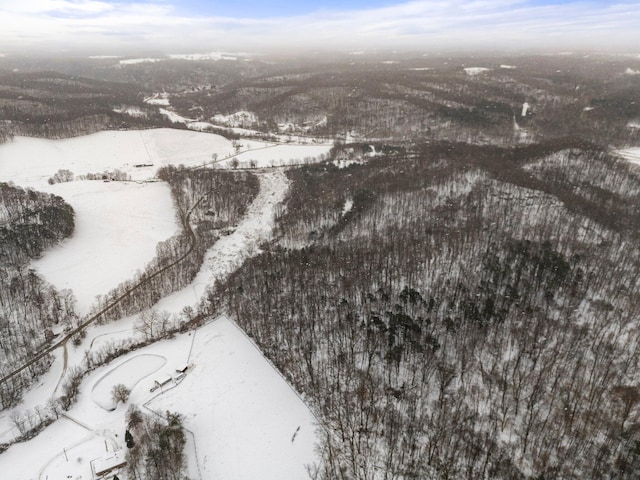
[182, 368]
[103, 466]
[163, 380]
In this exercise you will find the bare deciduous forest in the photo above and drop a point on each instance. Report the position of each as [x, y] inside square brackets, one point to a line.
[455, 291]
[464, 318]
[30, 222]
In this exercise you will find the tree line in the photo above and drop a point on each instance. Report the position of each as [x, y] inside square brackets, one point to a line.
[30, 308]
[155, 446]
[208, 203]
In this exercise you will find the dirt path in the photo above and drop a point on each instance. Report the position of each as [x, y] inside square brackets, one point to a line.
[65, 364]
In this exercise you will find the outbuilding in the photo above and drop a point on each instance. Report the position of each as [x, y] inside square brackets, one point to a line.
[163, 380]
[182, 368]
[105, 465]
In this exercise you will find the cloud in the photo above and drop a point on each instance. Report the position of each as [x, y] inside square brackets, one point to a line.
[415, 24]
[55, 7]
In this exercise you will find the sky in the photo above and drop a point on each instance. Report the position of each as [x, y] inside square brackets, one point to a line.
[199, 26]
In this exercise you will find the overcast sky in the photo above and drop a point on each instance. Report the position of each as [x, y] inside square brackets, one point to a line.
[189, 26]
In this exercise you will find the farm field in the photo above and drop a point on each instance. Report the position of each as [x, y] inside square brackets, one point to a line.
[110, 215]
[118, 224]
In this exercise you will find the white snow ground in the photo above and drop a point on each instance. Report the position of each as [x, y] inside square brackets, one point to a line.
[267, 411]
[246, 421]
[241, 410]
[630, 154]
[29, 162]
[118, 225]
[276, 155]
[473, 71]
[211, 56]
[135, 61]
[228, 253]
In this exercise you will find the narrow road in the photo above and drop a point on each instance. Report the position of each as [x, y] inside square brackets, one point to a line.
[77, 422]
[228, 252]
[62, 342]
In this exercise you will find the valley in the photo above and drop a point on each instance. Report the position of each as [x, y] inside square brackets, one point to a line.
[362, 268]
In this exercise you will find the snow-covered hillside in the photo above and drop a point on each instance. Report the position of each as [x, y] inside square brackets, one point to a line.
[29, 162]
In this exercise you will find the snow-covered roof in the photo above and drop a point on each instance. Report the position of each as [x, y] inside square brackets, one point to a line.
[109, 462]
[182, 367]
[164, 379]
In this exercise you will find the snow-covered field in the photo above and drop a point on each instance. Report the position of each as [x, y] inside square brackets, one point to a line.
[30, 162]
[278, 155]
[135, 61]
[240, 408]
[244, 421]
[473, 71]
[118, 224]
[211, 56]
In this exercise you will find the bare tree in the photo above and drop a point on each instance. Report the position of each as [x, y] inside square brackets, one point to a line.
[120, 393]
[54, 407]
[19, 421]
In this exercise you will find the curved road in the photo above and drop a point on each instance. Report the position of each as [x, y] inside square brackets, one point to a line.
[62, 342]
